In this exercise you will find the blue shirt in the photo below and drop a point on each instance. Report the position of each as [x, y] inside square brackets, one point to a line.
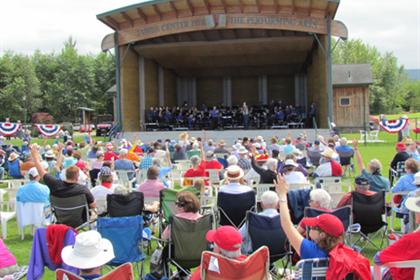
[309, 250]
[125, 164]
[345, 148]
[405, 184]
[33, 192]
[146, 162]
[90, 277]
[14, 169]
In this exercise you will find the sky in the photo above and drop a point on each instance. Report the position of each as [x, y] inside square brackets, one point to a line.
[27, 25]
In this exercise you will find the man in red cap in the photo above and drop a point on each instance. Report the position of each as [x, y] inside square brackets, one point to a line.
[227, 241]
[400, 156]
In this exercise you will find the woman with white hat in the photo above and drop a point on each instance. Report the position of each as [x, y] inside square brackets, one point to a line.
[89, 253]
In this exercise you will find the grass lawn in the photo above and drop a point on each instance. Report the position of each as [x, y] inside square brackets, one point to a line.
[382, 151]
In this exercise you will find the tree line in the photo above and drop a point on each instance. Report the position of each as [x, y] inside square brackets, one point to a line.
[59, 83]
[56, 83]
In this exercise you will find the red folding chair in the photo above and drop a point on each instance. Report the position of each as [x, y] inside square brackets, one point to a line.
[254, 267]
[123, 272]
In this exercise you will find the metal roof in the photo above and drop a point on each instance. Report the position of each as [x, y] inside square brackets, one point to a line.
[351, 74]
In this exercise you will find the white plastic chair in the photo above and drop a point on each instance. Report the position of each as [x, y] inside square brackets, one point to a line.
[402, 264]
[374, 135]
[262, 188]
[124, 180]
[30, 214]
[4, 218]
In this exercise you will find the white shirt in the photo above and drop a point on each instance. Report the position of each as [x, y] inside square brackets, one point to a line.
[295, 177]
[100, 192]
[235, 188]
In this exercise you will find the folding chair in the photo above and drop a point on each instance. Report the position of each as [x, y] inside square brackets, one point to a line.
[123, 272]
[395, 174]
[311, 269]
[368, 212]
[233, 207]
[267, 231]
[218, 267]
[123, 205]
[346, 160]
[125, 234]
[314, 157]
[402, 264]
[396, 209]
[188, 241]
[72, 211]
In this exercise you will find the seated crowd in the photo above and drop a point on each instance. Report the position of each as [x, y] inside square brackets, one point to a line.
[202, 172]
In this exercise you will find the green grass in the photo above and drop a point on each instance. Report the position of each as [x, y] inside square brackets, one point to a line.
[382, 151]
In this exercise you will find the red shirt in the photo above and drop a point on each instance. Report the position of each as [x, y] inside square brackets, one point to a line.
[191, 173]
[213, 164]
[109, 155]
[405, 249]
[336, 170]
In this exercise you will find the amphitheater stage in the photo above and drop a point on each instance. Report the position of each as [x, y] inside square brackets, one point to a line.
[228, 135]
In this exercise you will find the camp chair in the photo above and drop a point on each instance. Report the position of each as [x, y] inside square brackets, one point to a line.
[123, 272]
[311, 269]
[122, 205]
[402, 264]
[188, 241]
[368, 212]
[346, 160]
[267, 231]
[125, 234]
[395, 174]
[72, 211]
[233, 207]
[218, 267]
[314, 157]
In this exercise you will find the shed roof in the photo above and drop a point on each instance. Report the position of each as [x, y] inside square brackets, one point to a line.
[351, 74]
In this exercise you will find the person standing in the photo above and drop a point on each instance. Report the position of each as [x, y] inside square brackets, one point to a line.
[245, 115]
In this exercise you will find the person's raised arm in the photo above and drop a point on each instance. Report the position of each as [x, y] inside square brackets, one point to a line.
[168, 154]
[295, 238]
[60, 158]
[359, 158]
[36, 158]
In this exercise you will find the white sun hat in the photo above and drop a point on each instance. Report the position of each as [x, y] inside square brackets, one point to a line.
[89, 251]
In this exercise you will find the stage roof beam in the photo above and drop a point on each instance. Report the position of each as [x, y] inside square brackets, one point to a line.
[113, 22]
[190, 7]
[128, 18]
[157, 11]
[172, 4]
[142, 15]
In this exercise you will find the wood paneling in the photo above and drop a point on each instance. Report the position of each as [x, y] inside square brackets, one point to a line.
[169, 88]
[151, 83]
[357, 112]
[209, 91]
[129, 90]
[245, 89]
[281, 88]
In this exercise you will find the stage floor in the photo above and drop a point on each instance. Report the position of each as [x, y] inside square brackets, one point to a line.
[228, 135]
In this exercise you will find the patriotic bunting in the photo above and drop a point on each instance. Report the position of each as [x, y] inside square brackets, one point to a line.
[9, 129]
[393, 126]
[48, 130]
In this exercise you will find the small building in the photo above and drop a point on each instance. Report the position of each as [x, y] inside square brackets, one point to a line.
[351, 94]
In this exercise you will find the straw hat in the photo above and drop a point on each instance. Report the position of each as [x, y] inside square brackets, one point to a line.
[328, 153]
[413, 203]
[49, 154]
[234, 172]
[13, 156]
[89, 251]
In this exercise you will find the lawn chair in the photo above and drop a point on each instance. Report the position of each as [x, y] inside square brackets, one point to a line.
[314, 157]
[123, 272]
[332, 185]
[4, 218]
[30, 214]
[395, 174]
[311, 269]
[233, 207]
[123, 205]
[262, 188]
[368, 211]
[40, 256]
[218, 267]
[402, 264]
[346, 161]
[72, 211]
[125, 234]
[124, 178]
[267, 231]
[188, 241]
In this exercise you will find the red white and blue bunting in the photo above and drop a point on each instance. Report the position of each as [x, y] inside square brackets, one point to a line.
[393, 126]
[48, 130]
[9, 129]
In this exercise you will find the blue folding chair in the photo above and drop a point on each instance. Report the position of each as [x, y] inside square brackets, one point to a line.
[233, 207]
[267, 231]
[125, 234]
[311, 269]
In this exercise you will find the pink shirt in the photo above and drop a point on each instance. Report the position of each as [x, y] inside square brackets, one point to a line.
[151, 188]
[185, 215]
[6, 258]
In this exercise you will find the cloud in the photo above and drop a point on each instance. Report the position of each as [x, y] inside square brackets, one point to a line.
[27, 25]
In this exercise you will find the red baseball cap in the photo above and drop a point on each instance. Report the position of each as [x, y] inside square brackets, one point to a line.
[327, 222]
[226, 237]
[400, 147]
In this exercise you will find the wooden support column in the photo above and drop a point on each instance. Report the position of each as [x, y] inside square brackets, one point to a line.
[262, 89]
[142, 93]
[227, 91]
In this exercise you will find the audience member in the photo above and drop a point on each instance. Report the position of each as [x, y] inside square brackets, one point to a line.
[124, 164]
[33, 191]
[106, 187]
[234, 175]
[361, 186]
[328, 167]
[291, 175]
[152, 186]
[318, 199]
